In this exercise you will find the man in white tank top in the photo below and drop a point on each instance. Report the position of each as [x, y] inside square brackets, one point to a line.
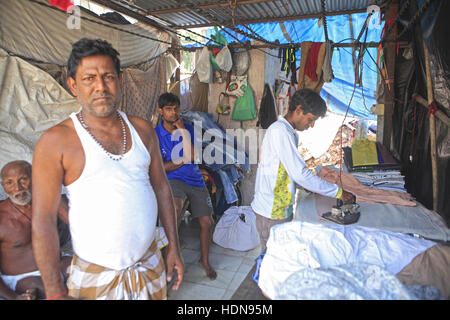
[112, 170]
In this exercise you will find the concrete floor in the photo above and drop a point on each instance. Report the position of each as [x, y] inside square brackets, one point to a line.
[231, 266]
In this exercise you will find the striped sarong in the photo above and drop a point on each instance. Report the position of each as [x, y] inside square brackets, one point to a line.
[145, 280]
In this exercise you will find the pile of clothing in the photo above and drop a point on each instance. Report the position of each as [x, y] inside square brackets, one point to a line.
[312, 261]
[385, 180]
[367, 156]
[373, 165]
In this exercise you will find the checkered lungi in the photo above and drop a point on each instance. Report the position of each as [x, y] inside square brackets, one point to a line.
[145, 280]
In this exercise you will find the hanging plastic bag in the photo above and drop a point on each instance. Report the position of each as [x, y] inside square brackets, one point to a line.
[224, 59]
[171, 65]
[237, 86]
[244, 107]
[204, 68]
[236, 229]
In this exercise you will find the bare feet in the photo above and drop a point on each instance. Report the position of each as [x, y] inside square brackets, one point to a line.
[210, 272]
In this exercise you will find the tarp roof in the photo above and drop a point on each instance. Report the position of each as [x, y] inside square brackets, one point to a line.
[192, 13]
[338, 92]
[37, 31]
[293, 21]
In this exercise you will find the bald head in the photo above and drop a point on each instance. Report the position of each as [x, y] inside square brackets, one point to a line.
[16, 164]
[16, 180]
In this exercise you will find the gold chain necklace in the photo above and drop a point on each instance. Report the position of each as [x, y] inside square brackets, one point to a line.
[124, 135]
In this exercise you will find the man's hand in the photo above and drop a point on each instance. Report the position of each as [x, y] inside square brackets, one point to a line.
[179, 123]
[174, 262]
[347, 197]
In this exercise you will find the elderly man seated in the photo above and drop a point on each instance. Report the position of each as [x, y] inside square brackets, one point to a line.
[19, 275]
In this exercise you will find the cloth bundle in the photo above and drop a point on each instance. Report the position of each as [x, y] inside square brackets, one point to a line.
[315, 65]
[237, 229]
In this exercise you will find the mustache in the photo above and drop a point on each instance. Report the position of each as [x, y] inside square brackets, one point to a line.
[172, 121]
[21, 197]
[102, 95]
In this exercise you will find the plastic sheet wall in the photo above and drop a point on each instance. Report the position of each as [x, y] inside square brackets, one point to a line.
[411, 132]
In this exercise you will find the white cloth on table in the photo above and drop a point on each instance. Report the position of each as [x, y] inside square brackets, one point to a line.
[296, 245]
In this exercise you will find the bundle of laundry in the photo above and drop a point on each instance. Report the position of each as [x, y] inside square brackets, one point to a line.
[315, 65]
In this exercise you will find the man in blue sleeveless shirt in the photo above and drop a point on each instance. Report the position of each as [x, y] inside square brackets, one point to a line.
[176, 142]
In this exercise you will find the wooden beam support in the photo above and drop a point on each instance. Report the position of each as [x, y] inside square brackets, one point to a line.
[222, 4]
[390, 49]
[439, 114]
[275, 19]
[432, 128]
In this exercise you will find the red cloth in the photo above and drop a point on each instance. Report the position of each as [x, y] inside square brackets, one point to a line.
[62, 4]
[432, 109]
[311, 62]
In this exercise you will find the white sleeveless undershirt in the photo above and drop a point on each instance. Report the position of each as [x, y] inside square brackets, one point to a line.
[112, 205]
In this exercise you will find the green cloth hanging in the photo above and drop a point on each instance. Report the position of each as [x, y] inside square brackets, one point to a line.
[220, 38]
[244, 106]
[214, 64]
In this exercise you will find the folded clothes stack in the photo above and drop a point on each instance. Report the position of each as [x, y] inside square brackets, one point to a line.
[369, 156]
[387, 180]
[373, 165]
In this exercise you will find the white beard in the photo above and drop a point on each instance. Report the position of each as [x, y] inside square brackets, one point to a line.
[21, 198]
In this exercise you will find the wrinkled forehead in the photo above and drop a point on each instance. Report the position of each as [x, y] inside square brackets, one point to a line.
[96, 64]
[14, 170]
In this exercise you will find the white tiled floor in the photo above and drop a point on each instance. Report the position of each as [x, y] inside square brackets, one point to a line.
[231, 267]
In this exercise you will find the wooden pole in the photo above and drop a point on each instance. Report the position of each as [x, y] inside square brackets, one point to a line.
[432, 127]
[438, 115]
[390, 49]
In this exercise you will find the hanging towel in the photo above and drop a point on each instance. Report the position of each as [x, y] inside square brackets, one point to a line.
[304, 80]
[326, 68]
[311, 62]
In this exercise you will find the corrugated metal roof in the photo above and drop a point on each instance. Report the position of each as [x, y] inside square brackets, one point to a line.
[191, 13]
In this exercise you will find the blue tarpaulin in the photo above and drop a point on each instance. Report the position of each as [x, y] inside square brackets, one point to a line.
[338, 92]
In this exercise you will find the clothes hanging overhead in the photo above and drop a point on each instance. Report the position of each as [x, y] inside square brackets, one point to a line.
[267, 113]
[310, 74]
[289, 62]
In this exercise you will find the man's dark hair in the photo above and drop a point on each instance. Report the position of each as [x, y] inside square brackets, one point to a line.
[310, 101]
[168, 99]
[90, 47]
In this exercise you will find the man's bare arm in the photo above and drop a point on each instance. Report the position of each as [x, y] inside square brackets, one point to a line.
[170, 165]
[166, 210]
[47, 177]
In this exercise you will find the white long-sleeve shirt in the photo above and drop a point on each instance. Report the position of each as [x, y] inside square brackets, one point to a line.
[280, 168]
